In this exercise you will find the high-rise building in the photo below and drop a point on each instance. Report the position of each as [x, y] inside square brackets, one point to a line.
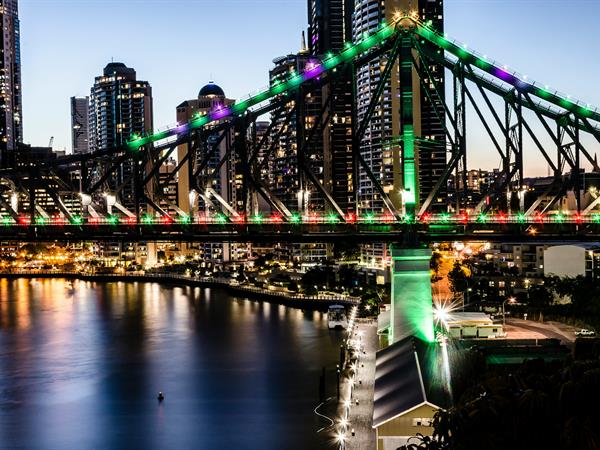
[381, 146]
[329, 28]
[218, 184]
[120, 106]
[432, 154]
[329, 25]
[289, 182]
[221, 183]
[80, 116]
[11, 110]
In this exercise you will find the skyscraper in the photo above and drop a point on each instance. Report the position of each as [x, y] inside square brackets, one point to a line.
[221, 183]
[120, 106]
[217, 183]
[381, 146]
[11, 125]
[289, 182]
[329, 25]
[80, 116]
[329, 28]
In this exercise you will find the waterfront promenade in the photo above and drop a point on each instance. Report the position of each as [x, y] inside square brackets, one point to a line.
[355, 410]
[233, 287]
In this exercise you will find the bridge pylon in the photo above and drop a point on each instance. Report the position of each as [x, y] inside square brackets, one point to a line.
[412, 301]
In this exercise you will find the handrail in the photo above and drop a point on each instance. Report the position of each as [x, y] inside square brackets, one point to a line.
[331, 61]
[501, 72]
[295, 80]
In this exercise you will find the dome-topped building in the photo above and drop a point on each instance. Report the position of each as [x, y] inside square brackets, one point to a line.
[211, 90]
[211, 96]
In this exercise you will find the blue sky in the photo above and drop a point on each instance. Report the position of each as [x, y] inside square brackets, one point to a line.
[178, 45]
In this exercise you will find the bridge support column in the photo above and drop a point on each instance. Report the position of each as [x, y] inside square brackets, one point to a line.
[412, 311]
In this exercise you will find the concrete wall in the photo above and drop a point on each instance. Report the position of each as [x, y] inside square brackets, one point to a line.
[564, 261]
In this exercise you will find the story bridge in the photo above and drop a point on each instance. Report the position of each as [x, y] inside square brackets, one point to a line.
[517, 114]
[410, 46]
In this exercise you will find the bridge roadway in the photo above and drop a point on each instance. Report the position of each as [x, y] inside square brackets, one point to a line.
[300, 233]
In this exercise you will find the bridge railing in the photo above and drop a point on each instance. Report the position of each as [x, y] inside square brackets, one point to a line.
[297, 219]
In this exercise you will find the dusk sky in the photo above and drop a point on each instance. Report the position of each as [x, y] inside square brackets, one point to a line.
[178, 45]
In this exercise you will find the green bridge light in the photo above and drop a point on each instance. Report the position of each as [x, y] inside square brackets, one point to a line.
[147, 219]
[77, 220]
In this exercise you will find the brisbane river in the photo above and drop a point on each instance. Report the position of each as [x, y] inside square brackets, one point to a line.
[81, 365]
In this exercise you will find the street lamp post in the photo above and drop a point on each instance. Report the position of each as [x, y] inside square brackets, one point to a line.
[509, 300]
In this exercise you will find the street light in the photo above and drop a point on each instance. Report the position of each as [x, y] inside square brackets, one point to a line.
[341, 438]
[510, 300]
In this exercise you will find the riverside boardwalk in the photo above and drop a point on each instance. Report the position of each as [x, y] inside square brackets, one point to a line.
[293, 299]
[357, 384]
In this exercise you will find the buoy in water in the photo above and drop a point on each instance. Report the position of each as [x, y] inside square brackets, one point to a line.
[161, 396]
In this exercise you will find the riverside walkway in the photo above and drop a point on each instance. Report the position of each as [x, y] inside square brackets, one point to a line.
[285, 297]
[354, 426]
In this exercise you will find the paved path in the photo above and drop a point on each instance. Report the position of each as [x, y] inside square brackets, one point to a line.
[360, 417]
[565, 333]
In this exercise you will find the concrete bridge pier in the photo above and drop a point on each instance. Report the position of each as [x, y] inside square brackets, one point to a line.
[412, 311]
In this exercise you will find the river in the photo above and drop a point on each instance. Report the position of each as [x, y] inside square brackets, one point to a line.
[81, 366]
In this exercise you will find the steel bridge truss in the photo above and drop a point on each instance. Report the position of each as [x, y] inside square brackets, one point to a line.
[518, 116]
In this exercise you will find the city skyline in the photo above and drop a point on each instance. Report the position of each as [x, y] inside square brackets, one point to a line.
[177, 79]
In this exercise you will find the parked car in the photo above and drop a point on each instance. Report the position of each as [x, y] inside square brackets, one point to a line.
[585, 332]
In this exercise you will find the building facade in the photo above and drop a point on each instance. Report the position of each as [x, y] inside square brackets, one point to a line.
[329, 28]
[381, 146]
[80, 116]
[218, 184]
[120, 106]
[11, 105]
[288, 181]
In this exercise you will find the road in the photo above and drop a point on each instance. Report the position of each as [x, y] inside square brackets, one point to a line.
[529, 329]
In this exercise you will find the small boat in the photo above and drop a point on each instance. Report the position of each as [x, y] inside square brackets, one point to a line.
[160, 397]
[336, 317]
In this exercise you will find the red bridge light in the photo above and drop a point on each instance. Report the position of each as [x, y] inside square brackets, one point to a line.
[24, 220]
[276, 218]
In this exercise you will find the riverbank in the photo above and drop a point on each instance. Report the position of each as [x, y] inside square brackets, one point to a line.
[320, 302]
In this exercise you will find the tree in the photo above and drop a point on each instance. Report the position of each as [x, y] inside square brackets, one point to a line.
[539, 405]
[436, 262]
[346, 250]
[539, 296]
[460, 278]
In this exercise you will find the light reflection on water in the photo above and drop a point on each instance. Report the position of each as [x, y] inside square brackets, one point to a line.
[80, 368]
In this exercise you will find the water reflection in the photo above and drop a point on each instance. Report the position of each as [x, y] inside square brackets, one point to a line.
[80, 368]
